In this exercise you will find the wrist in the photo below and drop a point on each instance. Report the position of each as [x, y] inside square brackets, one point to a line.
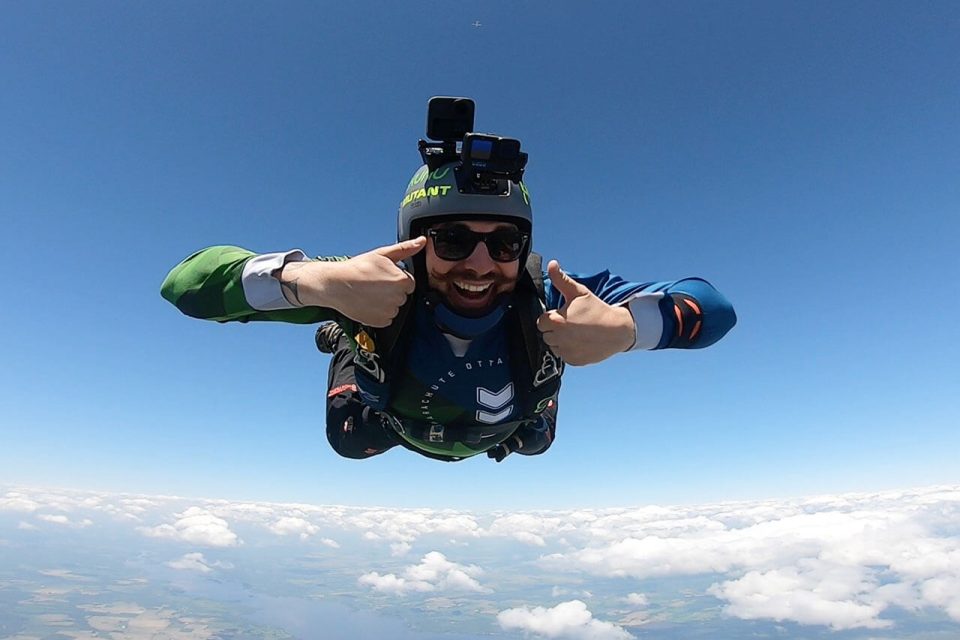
[627, 328]
[306, 284]
[647, 319]
[261, 286]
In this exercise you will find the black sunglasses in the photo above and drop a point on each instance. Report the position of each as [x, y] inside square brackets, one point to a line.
[457, 242]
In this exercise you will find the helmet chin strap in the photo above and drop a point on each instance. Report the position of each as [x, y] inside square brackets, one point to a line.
[463, 327]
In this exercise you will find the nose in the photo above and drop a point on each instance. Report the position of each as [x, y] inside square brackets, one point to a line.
[480, 260]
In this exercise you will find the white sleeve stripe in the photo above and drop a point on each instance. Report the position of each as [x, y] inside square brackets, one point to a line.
[260, 288]
[647, 320]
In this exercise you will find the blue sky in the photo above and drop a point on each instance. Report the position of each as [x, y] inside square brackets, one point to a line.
[803, 157]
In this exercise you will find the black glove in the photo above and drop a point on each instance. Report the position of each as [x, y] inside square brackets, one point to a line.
[505, 448]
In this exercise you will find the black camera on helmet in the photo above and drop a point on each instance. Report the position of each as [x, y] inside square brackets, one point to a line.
[493, 156]
[449, 119]
[485, 160]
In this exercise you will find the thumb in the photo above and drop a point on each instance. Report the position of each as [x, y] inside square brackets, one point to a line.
[566, 285]
[402, 250]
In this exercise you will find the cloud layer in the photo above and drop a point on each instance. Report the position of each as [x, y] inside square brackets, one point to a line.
[840, 562]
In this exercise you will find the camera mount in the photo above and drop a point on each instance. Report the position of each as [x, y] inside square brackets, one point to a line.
[486, 160]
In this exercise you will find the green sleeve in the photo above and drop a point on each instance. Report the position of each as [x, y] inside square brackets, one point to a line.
[208, 285]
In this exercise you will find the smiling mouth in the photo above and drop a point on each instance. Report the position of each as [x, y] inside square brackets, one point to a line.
[472, 291]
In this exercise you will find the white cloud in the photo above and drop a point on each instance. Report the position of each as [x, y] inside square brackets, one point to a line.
[139, 505]
[837, 561]
[529, 538]
[390, 583]
[196, 562]
[65, 521]
[944, 592]
[434, 572]
[293, 526]
[637, 599]
[400, 548]
[569, 620]
[333, 544]
[530, 528]
[196, 526]
[406, 525]
[16, 501]
[815, 592]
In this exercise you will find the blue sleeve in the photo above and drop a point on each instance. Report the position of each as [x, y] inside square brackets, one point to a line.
[609, 288]
[694, 314]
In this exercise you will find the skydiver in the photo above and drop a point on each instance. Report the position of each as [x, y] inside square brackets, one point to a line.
[451, 342]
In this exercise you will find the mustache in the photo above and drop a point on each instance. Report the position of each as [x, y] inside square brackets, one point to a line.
[471, 275]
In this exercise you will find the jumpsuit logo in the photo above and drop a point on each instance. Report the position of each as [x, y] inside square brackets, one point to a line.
[495, 401]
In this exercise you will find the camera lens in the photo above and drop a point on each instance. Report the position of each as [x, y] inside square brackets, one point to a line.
[509, 148]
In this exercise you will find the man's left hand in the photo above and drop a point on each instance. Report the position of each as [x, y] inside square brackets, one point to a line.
[585, 329]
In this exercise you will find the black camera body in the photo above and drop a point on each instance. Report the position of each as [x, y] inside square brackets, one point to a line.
[449, 119]
[485, 159]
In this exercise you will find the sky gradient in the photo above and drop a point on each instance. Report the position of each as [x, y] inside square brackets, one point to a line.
[802, 157]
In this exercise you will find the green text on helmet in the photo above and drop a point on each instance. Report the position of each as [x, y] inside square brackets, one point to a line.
[433, 195]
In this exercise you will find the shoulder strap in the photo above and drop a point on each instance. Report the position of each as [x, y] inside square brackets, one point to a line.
[377, 354]
[534, 269]
[531, 307]
[541, 368]
[387, 338]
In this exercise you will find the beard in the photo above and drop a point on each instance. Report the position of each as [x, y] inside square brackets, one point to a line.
[470, 304]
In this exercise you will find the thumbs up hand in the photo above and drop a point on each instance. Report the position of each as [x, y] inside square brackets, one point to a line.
[369, 288]
[585, 329]
[372, 287]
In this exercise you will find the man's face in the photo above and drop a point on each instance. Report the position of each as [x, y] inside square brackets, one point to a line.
[471, 286]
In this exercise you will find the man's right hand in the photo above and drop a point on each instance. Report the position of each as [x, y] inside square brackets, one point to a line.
[369, 288]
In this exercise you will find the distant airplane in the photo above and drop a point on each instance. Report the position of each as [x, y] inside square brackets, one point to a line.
[477, 24]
